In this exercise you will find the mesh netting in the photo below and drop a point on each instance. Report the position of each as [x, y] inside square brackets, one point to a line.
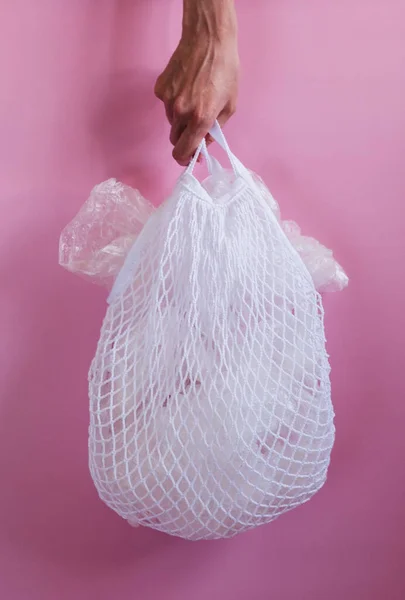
[209, 391]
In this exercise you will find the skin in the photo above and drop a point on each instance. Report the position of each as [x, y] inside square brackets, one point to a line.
[200, 82]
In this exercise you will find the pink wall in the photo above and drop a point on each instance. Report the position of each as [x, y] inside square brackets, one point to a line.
[322, 118]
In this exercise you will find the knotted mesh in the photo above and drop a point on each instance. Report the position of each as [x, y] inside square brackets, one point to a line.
[210, 409]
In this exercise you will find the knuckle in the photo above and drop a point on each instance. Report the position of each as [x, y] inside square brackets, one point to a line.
[159, 89]
[180, 107]
[179, 158]
[202, 118]
[173, 138]
[232, 109]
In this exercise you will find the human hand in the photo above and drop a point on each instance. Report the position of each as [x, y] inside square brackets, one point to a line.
[200, 82]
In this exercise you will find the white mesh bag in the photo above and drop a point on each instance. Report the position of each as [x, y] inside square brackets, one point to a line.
[210, 407]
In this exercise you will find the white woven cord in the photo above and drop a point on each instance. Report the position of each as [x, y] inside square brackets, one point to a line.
[210, 408]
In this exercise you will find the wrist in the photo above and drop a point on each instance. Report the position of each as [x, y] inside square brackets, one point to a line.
[212, 19]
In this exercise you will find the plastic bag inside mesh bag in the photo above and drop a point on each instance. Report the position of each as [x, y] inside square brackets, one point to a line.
[96, 242]
[209, 392]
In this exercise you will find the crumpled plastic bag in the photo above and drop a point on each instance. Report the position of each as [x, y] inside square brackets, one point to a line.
[96, 242]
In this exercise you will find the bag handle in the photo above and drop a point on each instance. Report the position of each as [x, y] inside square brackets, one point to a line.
[218, 135]
[207, 156]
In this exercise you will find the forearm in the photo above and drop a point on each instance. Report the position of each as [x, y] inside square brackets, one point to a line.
[215, 19]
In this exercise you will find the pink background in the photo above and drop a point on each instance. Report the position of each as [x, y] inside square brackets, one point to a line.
[321, 117]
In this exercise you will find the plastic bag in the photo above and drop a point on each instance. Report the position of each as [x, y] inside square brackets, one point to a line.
[210, 407]
[97, 241]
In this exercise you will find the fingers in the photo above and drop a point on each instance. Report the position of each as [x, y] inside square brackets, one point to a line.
[160, 87]
[188, 127]
[222, 118]
[226, 114]
[193, 126]
[208, 139]
[189, 124]
[188, 144]
[161, 92]
[193, 132]
[169, 112]
[176, 131]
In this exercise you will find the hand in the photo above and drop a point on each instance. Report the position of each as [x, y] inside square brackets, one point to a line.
[200, 83]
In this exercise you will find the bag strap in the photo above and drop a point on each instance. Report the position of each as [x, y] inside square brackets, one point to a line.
[207, 156]
[218, 135]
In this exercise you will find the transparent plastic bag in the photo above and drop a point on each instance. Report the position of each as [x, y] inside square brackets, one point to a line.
[97, 241]
[210, 406]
